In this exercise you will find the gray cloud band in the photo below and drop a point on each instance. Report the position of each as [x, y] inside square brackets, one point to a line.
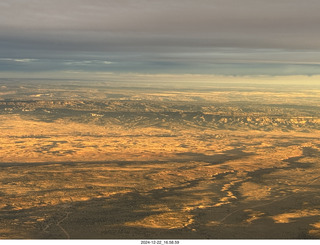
[35, 29]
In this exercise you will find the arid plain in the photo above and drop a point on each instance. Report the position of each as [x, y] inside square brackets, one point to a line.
[224, 160]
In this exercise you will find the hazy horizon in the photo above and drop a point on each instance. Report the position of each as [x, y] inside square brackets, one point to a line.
[232, 38]
[149, 119]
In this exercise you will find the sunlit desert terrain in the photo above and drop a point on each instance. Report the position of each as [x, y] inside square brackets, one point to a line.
[102, 161]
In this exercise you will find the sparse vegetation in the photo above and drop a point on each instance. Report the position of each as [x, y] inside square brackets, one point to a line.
[150, 164]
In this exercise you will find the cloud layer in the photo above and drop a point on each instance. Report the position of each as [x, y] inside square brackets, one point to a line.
[218, 36]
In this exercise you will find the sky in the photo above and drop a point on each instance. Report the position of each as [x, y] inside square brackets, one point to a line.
[213, 37]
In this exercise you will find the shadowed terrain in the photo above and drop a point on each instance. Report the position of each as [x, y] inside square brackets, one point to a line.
[138, 163]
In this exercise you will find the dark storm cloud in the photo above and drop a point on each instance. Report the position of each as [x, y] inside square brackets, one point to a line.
[144, 31]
